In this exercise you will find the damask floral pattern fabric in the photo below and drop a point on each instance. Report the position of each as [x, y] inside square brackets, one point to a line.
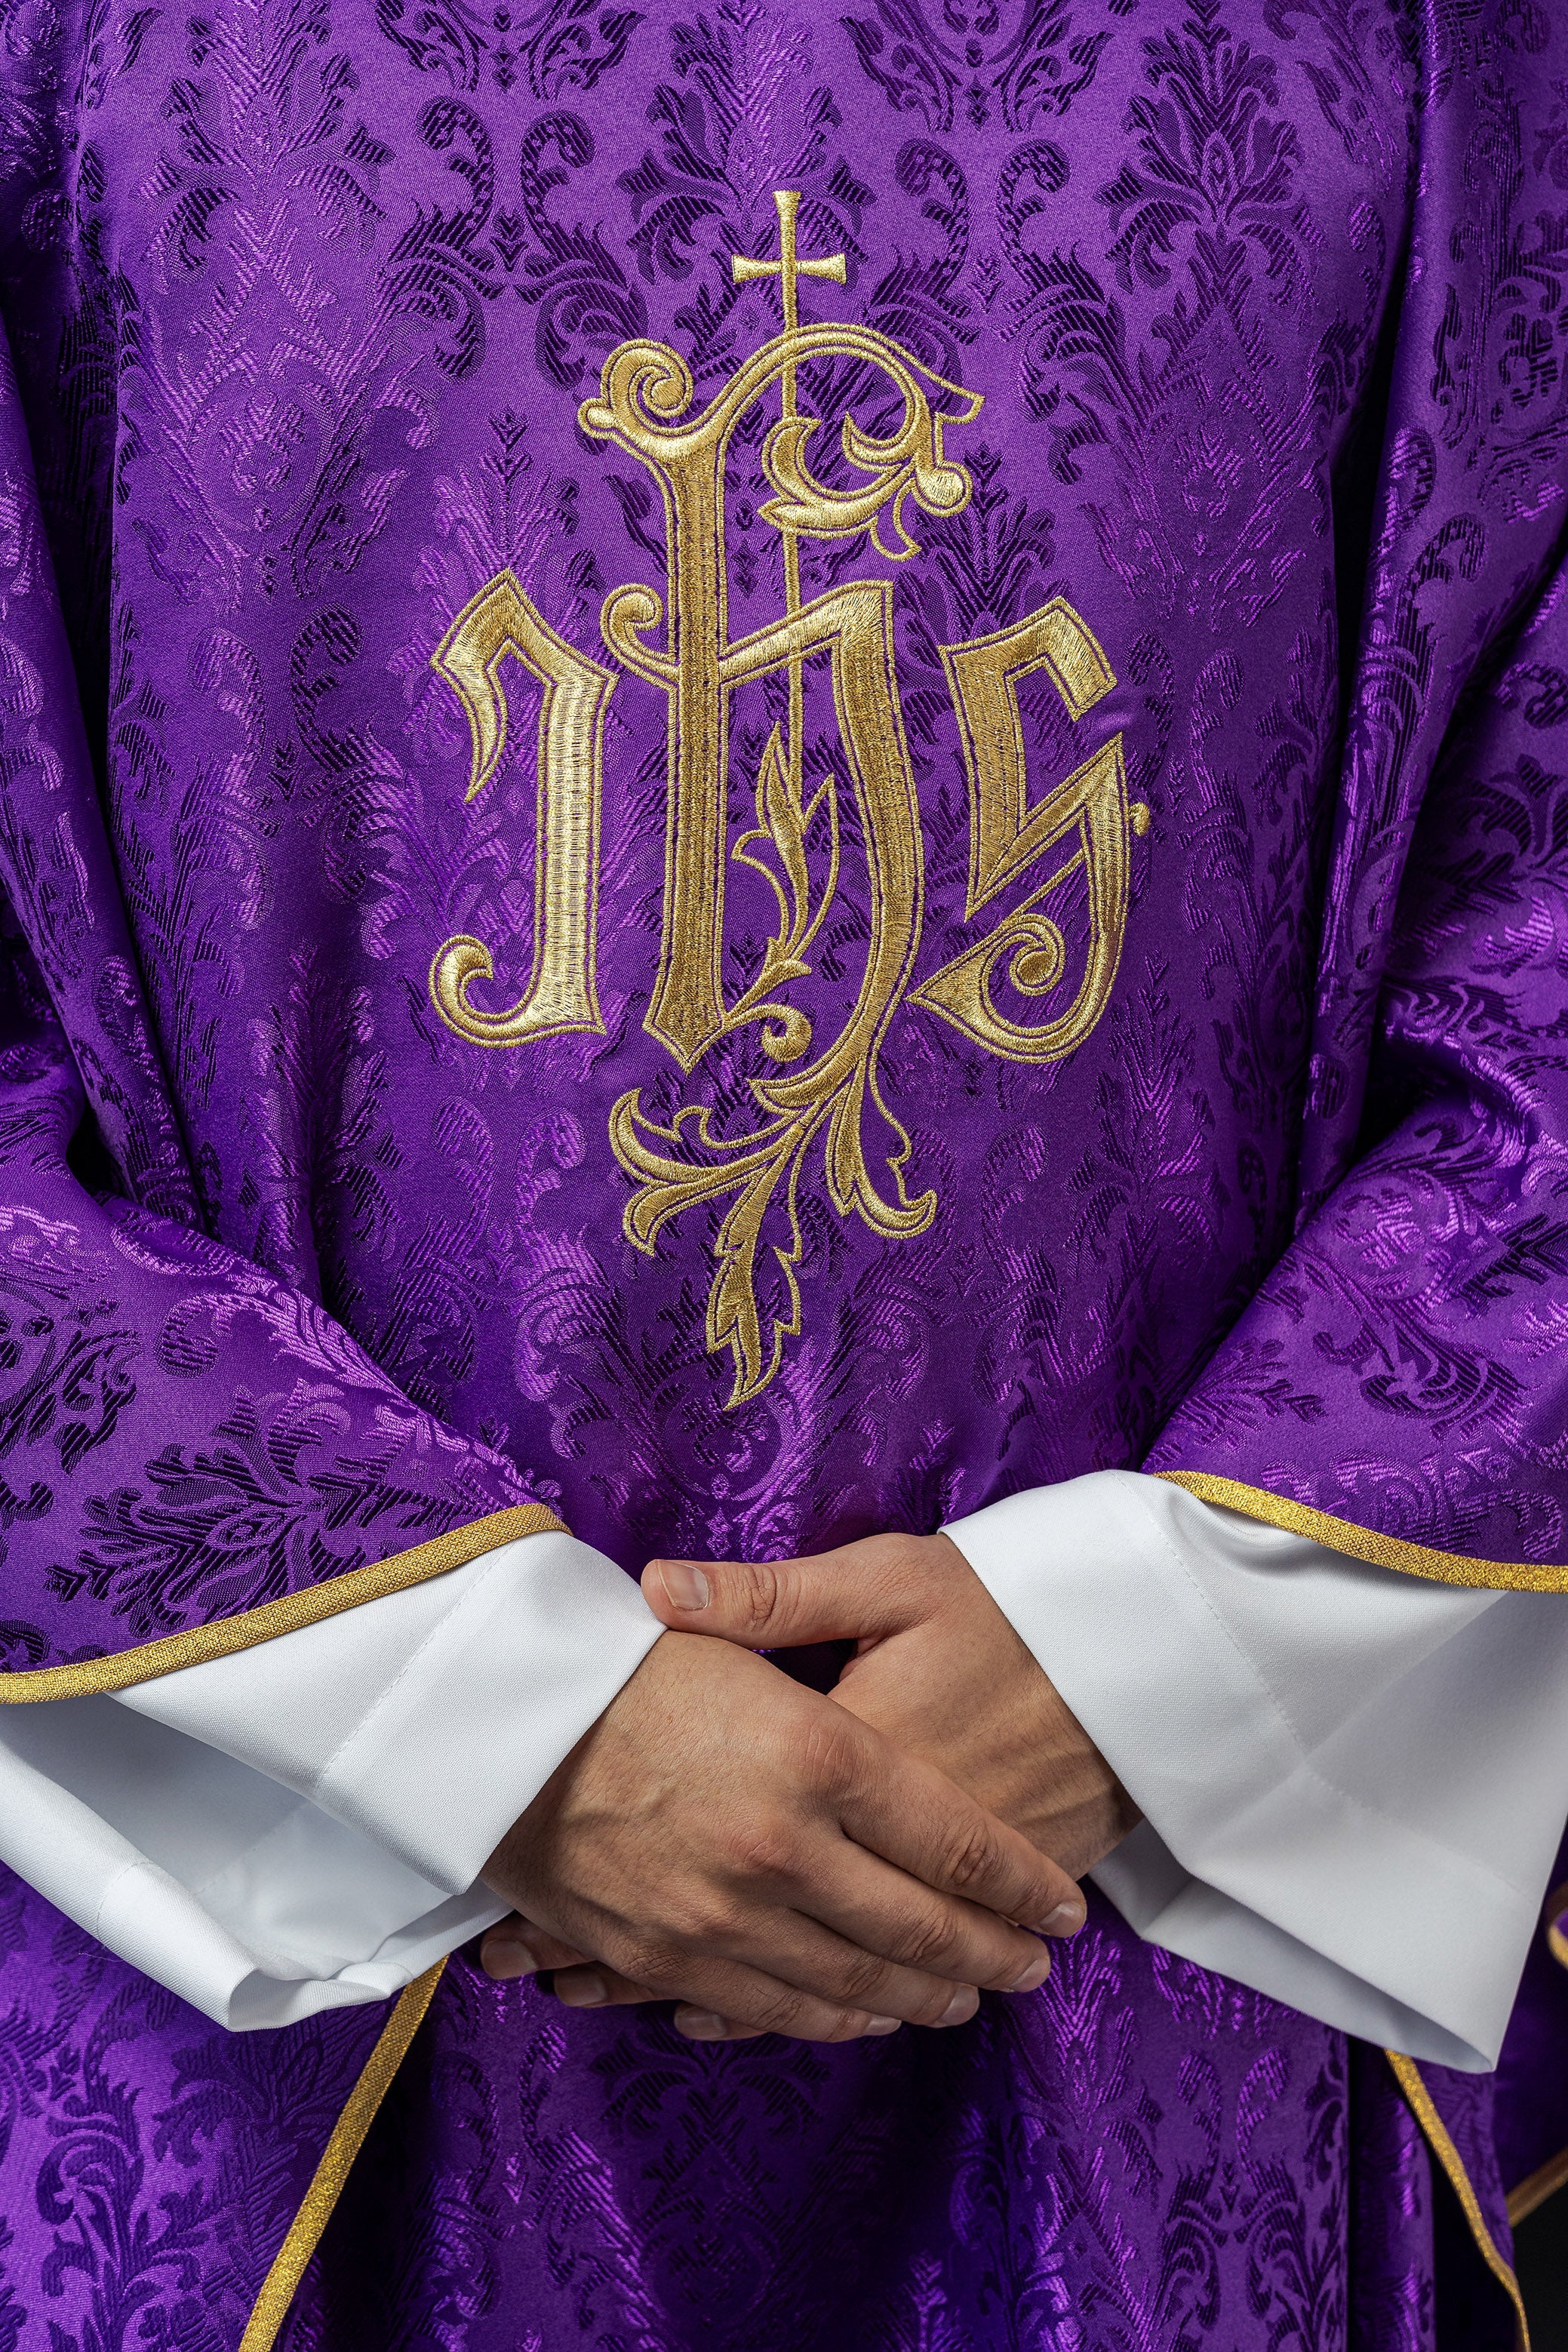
[766, 772]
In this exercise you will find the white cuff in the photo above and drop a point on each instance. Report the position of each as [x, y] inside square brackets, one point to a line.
[1354, 1782]
[303, 1825]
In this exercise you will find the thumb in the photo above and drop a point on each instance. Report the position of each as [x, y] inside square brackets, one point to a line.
[843, 1595]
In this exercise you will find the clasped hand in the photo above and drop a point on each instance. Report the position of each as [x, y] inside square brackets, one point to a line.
[778, 1862]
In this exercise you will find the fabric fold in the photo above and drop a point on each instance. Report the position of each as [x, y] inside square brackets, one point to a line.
[303, 1825]
[1351, 1781]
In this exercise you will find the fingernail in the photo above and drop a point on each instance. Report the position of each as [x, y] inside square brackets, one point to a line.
[1034, 1976]
[883, 2025]
[702, 2024]
[962, 2005]
[1066, 1919]
[685, 1586]
[504, 1957]
[589, 1991]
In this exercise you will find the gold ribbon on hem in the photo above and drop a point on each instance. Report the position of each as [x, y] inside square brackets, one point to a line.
[149, 1660]
[1365, 1543]
[304, 2234]
[1407, 2074]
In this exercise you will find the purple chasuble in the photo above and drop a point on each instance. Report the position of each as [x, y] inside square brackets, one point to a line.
[762, 772]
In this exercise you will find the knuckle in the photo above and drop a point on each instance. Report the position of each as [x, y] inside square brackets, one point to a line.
[703, 1924]
[971, 1856]
[843, 2025]
[763, 1850]
[647, 1960]
[756, 1593]
[932, 2007]
[775, 2010]
[829, 1757]
[862, 1979]
[931, 1940]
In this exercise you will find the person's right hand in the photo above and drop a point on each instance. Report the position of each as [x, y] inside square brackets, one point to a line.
[725, 1838]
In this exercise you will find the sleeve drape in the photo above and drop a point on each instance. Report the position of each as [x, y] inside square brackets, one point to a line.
[194, 1456]
[1401, 1372]
[1398, 1387]
[1352, 1782]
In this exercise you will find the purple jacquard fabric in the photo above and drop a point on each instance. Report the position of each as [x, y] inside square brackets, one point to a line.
[1016, 2186]
[150, 2163]
[184, 1434]
[1140, 2154]
[1016, 929]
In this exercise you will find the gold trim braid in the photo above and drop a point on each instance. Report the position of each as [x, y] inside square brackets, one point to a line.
[1407, 2074]
[271, 2306]
[1365, 1543]
[150, 1659]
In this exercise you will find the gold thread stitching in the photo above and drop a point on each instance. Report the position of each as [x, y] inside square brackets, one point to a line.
[833, 1092]
[645, 407]
[1407, 2074]
[646, 388]
[1006, 835]
[1365, 1543]
[786, 799]
[90, 1677]
[304, 2233]
[983, 674]
[645, 392]
[562, 992]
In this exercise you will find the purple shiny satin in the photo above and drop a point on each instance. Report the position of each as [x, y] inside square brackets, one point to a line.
[1263, 310]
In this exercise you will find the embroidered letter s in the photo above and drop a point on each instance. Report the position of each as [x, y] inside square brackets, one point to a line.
[1006, 835]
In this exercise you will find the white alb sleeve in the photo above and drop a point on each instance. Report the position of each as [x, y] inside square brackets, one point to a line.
[303, 1825]
[1354, 1782]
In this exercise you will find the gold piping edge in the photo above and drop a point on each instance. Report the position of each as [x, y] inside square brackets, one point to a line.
[1365, 1543]
[1536, 2186]
[149, 1660]
[1407, 2074]
[304, 2233]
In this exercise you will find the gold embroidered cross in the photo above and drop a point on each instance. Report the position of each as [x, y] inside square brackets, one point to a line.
[789, 269]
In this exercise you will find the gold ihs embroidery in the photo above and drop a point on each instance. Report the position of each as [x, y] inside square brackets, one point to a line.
[679, 642]
[647, 393]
